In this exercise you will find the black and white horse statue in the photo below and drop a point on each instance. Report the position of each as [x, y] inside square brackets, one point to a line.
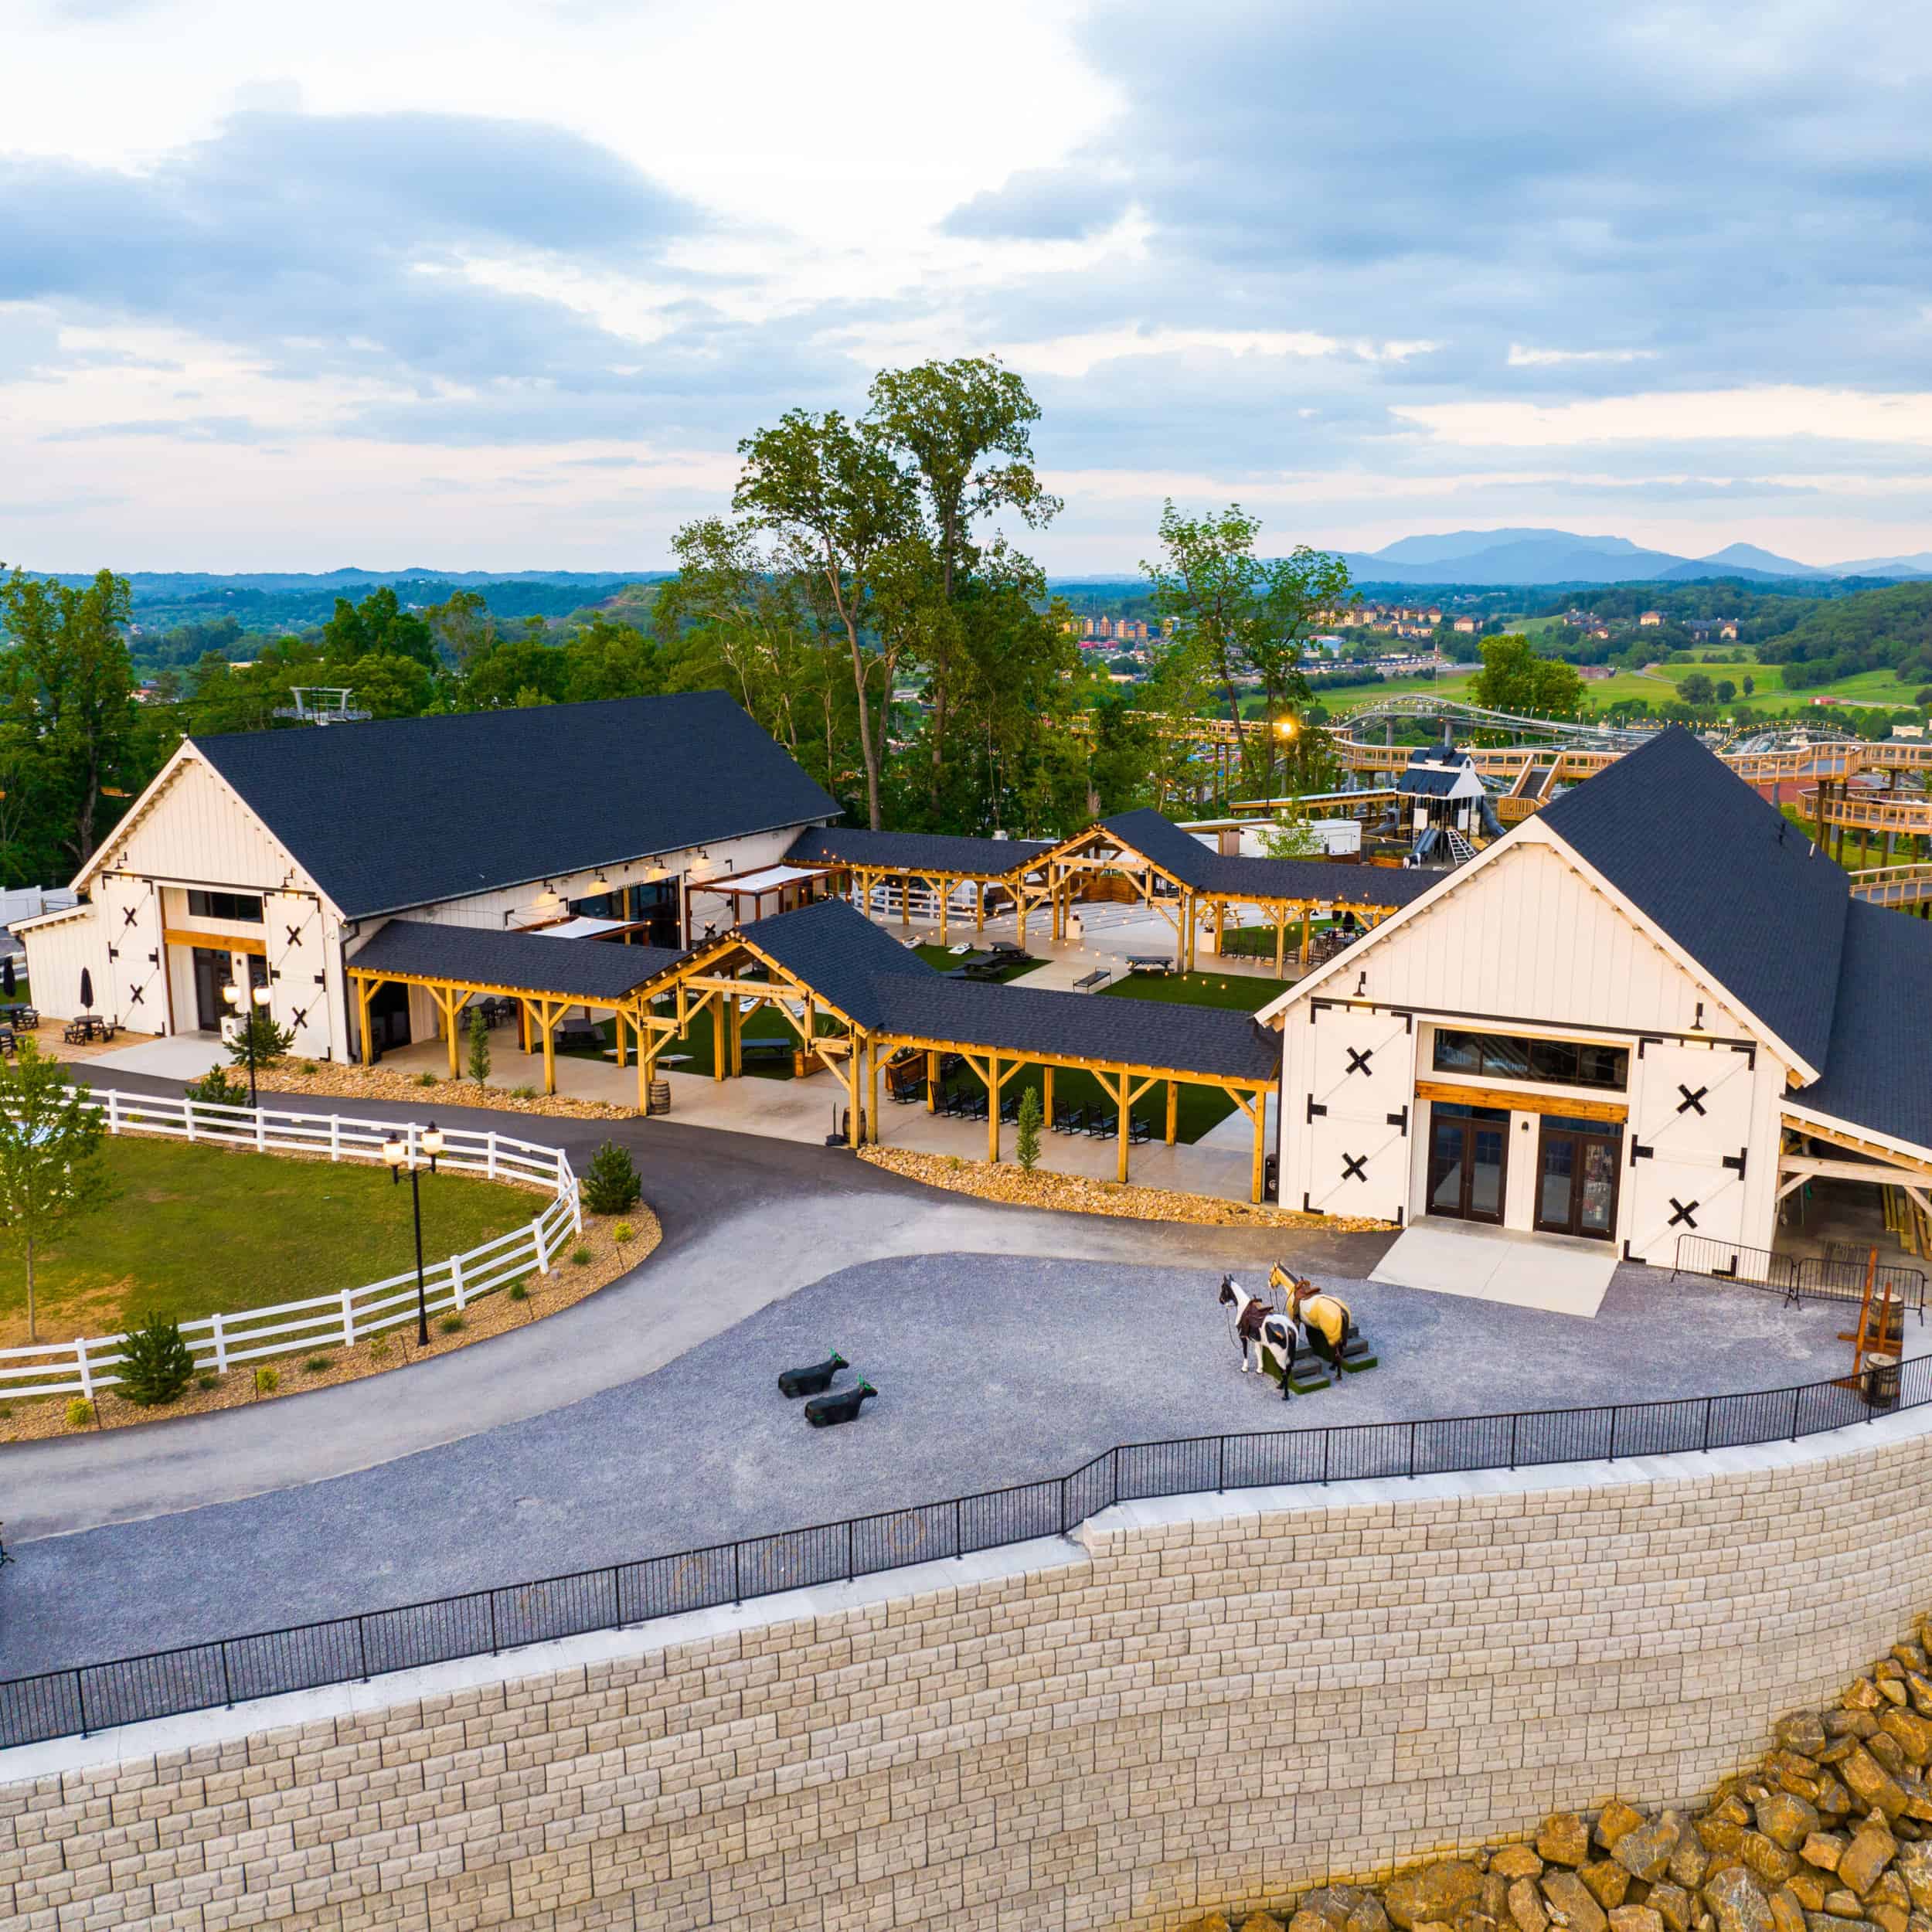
[1327, 1324]
[1265, 1335]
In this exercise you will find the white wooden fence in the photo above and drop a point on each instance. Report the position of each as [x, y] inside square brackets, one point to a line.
[219, 1341]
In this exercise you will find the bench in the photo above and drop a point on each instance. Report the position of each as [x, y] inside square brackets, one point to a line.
[1099, 977]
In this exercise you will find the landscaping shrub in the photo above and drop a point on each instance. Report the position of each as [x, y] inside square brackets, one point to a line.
[450, 1323]
[258, 1041]
[217, 1090]
[379, 1349]
[156, 1364]
[479, 1046]
[80, 1413]
[207, 1379]
[267, 1381]
[426, 1080]
[579, 1257]
[309, 1066]
[611, 1183]
[622, 1233]
[316, 1364]
[518, 1292]
[523, 1093]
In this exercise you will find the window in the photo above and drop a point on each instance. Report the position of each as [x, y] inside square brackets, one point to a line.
[240, 906]
[1556, 1063]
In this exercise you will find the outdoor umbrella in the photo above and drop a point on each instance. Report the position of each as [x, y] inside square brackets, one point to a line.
[87, 991]
[9, 984]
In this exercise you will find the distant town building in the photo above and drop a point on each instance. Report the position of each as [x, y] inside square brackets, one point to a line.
[1649, 620]
[1466, 625]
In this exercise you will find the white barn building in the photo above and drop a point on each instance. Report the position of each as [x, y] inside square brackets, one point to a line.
[1646, 1012]
[274, 856]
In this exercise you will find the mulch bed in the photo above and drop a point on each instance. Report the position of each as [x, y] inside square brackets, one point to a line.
[333, 1081]
[1075, 1194]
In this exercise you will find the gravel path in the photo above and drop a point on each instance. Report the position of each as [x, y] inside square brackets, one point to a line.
[993, 1370]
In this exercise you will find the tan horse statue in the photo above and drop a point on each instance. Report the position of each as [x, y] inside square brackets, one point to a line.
[1324, 1317]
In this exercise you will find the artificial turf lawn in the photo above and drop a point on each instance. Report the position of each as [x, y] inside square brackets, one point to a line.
[943, 959]
[1244, 992]
[193, 1230]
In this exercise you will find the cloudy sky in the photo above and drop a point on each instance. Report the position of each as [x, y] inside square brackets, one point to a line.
[499, 284]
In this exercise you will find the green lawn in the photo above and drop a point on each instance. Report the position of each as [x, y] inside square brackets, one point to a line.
[1361, 697]
[193, 1230]
[943, 959]
[1243, 991]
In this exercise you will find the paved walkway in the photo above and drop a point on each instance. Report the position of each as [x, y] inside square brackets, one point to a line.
[992, 1369]
[747, 1222]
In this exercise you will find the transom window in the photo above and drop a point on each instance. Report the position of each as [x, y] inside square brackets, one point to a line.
[240, 906]
[1504, 1056]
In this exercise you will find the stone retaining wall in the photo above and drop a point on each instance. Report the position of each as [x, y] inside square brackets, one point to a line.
[1209, 1702]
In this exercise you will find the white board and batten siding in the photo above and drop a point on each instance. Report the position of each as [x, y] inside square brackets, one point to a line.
[1528, 942]
[195, 830]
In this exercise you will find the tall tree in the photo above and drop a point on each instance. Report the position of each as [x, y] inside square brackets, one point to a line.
[951, 422]
[378, 626]
[68, 684]
[1513, 678]
[461, 626]
[50, 1168]
[841, 508]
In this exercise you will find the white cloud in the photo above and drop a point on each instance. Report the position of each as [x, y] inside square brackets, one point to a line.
[1522, 358]
[1753, 414]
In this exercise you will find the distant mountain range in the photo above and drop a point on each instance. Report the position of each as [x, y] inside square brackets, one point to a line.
[1527, 556]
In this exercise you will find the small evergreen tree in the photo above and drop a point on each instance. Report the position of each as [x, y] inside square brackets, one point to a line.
[258, 1036]
[155, 1363]
[479, 1045]
[611, 1183]
[1288, 837]
[1026, 1149]
[216, 1089]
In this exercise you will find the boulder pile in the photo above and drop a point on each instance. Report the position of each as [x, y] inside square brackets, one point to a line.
[1832, 1831]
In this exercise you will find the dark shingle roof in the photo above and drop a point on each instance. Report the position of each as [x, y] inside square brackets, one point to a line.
[1427, 781]
[410, 810]
[1731, 879]
[1182, 856]
[908, 851]
[1878, 1070]
[1133, 1033]
[524, 962]
[837, 951]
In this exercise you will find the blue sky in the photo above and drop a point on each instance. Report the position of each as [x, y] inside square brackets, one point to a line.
[501, 285]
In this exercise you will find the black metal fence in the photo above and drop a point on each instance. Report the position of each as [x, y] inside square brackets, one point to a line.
[202, 1676]
[1819, 1277]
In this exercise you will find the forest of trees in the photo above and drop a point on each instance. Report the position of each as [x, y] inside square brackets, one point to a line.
[864, 598]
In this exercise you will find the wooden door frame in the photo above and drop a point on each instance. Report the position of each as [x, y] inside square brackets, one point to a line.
[1470, 1127]
[1576, 1136]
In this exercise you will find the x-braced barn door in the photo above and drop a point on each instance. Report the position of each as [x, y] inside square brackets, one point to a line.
[1686, 1154]
[293, 924]
[1359, 1110]
[135, 995]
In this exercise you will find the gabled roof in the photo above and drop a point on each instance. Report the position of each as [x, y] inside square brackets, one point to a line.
[913, 851]
[409, 811]
[1129, 1033]
[1733, 881]
[597, 969]
[1877, 1074]
[1182, 856]
[836, 951]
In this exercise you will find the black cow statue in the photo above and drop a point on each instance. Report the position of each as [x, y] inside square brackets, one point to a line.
[813, 1379]
[823, 1412]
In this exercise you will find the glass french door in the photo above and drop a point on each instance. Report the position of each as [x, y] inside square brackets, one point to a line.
[1578, 1164]
[1468, 1153]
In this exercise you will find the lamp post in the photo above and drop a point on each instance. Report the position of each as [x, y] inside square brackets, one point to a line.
[259, 997]
[399, 1151]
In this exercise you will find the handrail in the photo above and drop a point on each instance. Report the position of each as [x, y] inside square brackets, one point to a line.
[84, 1366]
[191, 1677]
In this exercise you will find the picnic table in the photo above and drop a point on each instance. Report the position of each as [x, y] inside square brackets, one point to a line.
[89, 1026]
[1149, 963]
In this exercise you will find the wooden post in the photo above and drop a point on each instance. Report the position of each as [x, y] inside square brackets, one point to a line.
[851, 1090]
[446, 1001]
[617, 1027]
[1280, 942]
[992, 1107]
[1125, 1118]
[523, 1024]
[365, 992]
[549, 1047]
[979, 906]
[905, 900]
[1220, 928]
[1261, 1141]
[1046, 1099]
[737, 1034]
[945, 898]
[1173, 1108]
[872, 1090]
[932, 1081]
[1307, 931]
[720, 1046]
